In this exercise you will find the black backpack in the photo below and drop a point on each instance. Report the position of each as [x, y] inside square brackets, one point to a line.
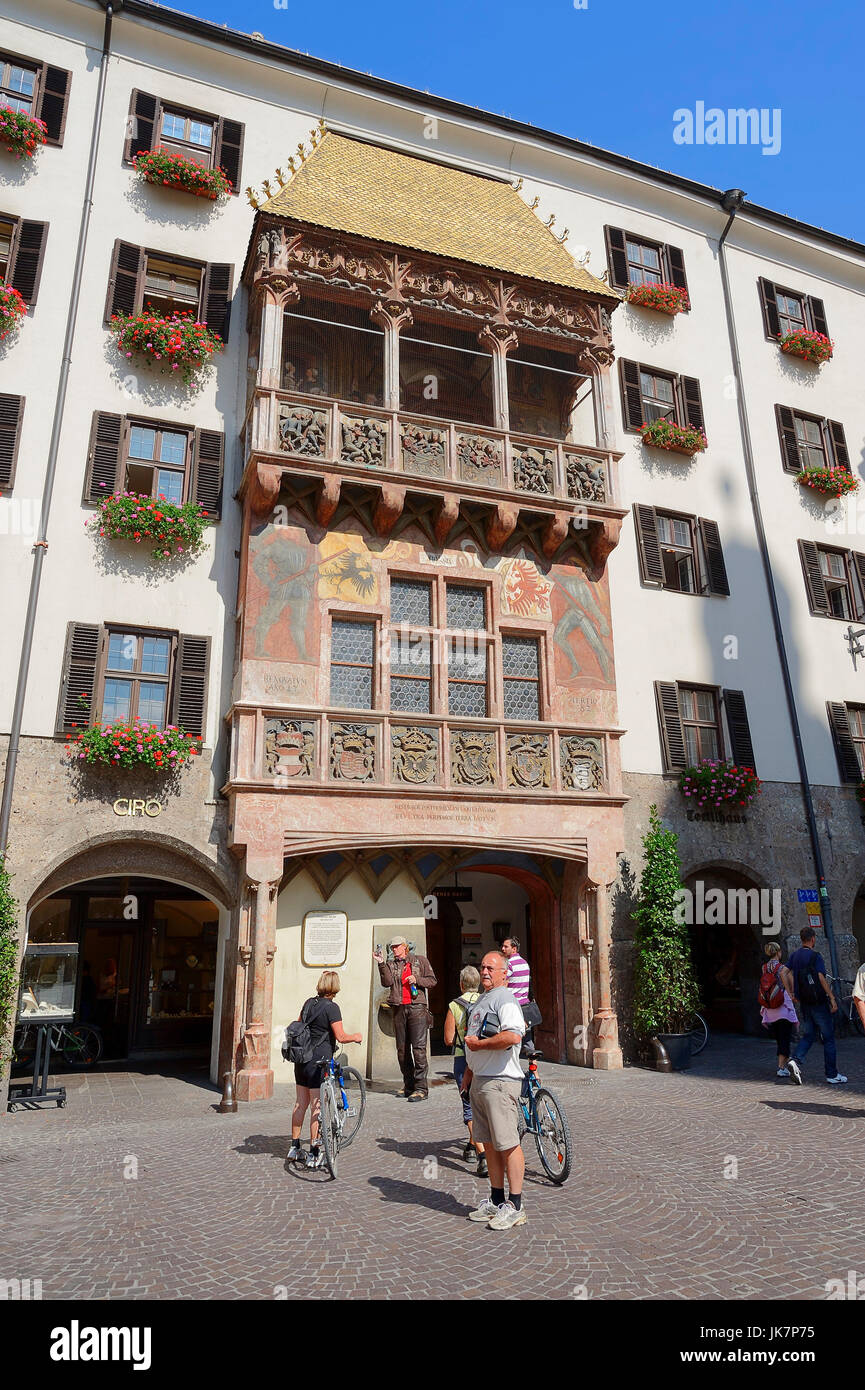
[297, 1046]
[808, 986]
[460, 1037]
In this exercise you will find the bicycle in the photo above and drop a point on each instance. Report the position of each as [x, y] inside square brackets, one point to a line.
[543, 1116]
[80, 1043]
[699, 1034]
[847, 1018]
[343, 1099]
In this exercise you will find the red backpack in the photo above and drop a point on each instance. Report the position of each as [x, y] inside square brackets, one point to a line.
[771, 993]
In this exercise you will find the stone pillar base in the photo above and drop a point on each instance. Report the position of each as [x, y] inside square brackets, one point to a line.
[604, 1059]
[254, 1084]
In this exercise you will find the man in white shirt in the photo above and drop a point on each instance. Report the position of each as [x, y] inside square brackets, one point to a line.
[859, 992]
[494, 1034]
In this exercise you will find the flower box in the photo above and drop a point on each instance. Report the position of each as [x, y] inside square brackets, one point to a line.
[177, 171]
[811, 347]
[666, 298]
[720, 783]
[20, 133]
[181, 343]
[174, 528]
[12, 309]
[830, 482]
[680, 439]
[138, 744]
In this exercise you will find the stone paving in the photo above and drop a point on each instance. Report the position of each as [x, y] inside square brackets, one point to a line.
[215, 1213]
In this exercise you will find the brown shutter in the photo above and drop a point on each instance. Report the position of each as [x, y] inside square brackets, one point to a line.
[816, 589]
[617, 257]
[102, 476]
[53, 101]
[189, 699]
[845, 748]
[859, 564]
[839, 444]
[676, 267]
[126, 280]
[648, 549]
[817, 314]
[632, 399]
[216, 298]
[11, 417]
[26, 260]
[769, 305]
[672, 735]
[141, 125]
[741, 747]
[716, 570]
[206, 487]
[80, 660]
[691, 402]
[229, 150]
[787, 434]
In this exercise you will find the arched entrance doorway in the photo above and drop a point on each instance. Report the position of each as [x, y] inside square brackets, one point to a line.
[727, 944]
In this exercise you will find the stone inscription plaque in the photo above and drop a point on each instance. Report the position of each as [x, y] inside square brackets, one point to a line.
[325, 939]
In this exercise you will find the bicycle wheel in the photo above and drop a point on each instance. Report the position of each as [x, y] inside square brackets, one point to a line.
[329, 1126]
[699, 1034]
[355, 1090]
[553, 1136]
[82, 1045]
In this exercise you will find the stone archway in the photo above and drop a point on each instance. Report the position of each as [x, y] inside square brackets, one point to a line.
[727, 937]
[112, 856]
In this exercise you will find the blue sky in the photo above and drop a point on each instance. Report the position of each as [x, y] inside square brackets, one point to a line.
[615, 72]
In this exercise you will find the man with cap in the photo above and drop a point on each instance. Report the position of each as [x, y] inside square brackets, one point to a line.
[408, 977]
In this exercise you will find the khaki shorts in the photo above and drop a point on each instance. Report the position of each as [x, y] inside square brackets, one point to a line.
[496, 1110]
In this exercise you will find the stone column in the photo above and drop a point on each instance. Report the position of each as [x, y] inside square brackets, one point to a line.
[606, 1055]
[392, 316]
[500, 339]
[255, 1075]
[276, 295]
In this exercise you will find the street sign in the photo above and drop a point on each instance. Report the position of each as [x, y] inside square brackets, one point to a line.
[807, 895]
[454, 895]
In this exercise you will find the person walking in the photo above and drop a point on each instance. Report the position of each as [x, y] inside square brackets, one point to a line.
[494, 1034]
[776, 1004]
[456, 1020]
[409, 977]
[324, 1020]
[519, 974]
[814, 995]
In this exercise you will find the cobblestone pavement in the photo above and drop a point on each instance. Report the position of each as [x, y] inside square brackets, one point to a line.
[215, 1213]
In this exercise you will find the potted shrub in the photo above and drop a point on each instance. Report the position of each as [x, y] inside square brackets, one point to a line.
[12, 309]
[174, 528]
[811, 347]
[20, 133]
[665, 988]
[679, 439]
[138, 744]
[666, 298]
[720, 783]
[177, 171]
[829, 482]
[181, 343]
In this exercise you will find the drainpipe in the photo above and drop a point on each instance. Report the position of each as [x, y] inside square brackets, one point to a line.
[41, 545]
[731, 202]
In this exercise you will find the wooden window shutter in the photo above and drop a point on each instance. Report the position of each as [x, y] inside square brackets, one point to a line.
[648, 549]
[845, 748]
[617, 257]
[125, 281]
[676, 267]
[769, 305]
[859, 565]
[11, 418]
[838, 441]
[691, 402]
[206, 489]
[102, 476]
[816, 314]
[25, 270]
[716, 570]
[229, 150]
[672, 735]
[189, 699]
[141, 124]
[787, 434]
[741, 747]
[216, 298]
[53, 102]
[80, 659]
[816, 589]
[632, 399]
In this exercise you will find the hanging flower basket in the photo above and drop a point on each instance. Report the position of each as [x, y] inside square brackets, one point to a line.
[21, 134]
[12, 309]
[812, 347]
[829, 482]
[138, 744]
[666, 298]
[680, 439]
[181, 343]
[715, 784]
[173, 528]
[176, 171]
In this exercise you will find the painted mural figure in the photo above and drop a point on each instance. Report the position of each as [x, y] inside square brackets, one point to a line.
[582, 615]
[283, 570]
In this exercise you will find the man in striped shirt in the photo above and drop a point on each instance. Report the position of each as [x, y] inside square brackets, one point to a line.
[518, 970]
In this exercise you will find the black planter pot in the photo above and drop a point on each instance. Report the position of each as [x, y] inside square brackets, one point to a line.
[678, 1048]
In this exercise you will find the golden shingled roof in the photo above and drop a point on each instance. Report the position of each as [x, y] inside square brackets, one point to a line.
[350, 186]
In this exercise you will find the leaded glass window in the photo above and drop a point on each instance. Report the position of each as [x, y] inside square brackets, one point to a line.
[467, 677]
[352, 660]
[466, 607]
[520, 669]
[411, 602]
[410, 672]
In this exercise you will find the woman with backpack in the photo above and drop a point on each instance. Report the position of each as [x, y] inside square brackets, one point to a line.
[456, 1020]
[776, 1004]
[324, 1024]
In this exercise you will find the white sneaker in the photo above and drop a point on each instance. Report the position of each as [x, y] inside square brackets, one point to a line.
[296, 1154]
[794, 1071]
[782, 1071]
[836, 1080]
[507, 1217]
[315, 1160]
[485, 1212]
